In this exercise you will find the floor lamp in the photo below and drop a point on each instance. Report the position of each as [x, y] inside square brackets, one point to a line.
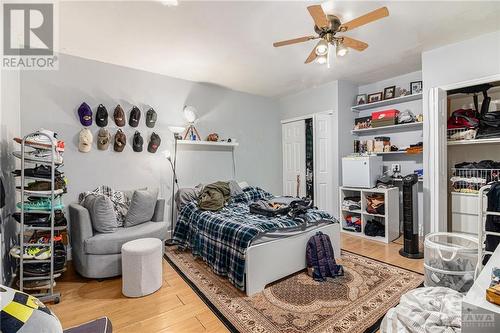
[177, 136]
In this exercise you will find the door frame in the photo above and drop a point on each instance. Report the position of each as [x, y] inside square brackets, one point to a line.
[436, 152]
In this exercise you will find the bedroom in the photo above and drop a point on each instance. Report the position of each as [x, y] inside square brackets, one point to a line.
[213, 66]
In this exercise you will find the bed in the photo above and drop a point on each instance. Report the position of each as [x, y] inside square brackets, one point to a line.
[251, 250]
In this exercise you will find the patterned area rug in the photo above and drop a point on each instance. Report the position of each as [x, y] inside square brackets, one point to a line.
[352, 303]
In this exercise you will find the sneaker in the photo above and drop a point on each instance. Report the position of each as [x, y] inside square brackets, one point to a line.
[40, 204]
[42, 253]
[40, 141]
[41, 171]
[40, 220]
[44, 187]
[15, 252]
[42, 156]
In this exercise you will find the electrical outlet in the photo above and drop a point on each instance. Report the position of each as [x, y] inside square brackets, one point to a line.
[396, 167]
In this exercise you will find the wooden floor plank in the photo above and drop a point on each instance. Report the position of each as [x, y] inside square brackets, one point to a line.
[175, 307]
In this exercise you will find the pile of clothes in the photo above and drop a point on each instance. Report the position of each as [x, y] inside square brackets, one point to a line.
[468, 124]
[460, 283]
[352, 223]
[351, 203]
[375, 228]
[469, 177]
[375, 203]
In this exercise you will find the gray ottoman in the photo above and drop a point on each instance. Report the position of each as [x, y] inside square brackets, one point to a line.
[142, 267]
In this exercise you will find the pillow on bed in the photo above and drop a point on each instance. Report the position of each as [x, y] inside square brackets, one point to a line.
[186, 195]
[251, 194]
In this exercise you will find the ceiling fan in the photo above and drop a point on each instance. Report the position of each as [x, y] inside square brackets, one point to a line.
[327, 26]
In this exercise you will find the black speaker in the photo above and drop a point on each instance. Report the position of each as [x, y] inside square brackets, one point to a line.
[410, 218]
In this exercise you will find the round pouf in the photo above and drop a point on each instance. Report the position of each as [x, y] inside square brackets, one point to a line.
[141, 267]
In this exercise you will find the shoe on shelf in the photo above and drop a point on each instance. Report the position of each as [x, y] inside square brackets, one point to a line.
[45, 187]
[43, 204]
[41, 171]
[42, 156]
[36, 284]
[39, 220]
[15, 252]
[41, 141]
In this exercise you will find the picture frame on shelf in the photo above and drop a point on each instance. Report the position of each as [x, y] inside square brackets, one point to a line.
[390, 92]
[375, 97]
[361, 99]
[415, 87]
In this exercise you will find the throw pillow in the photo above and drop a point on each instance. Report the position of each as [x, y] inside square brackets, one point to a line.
[24, 313]
[186, 195]
[102, 213]
[142, 207]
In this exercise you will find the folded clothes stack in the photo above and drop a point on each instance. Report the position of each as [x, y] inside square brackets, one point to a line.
[351, 203]
[352, 223]
[375, 203]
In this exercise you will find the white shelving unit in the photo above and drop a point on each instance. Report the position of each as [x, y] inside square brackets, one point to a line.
[397, 100]
[207, 143]
[412, 126]
[390, 219]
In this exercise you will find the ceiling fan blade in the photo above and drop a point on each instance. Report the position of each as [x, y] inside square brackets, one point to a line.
[354, 43]
[365, 19]
[318, 16]
[293, 41]
[312, 55]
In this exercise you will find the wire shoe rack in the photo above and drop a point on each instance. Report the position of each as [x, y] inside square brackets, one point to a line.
[49, 294]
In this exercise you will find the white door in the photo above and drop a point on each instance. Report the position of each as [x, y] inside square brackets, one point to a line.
[294, 158]
[323, 167]
[436, 166]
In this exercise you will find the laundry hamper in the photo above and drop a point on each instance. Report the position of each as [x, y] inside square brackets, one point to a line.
[450, 260]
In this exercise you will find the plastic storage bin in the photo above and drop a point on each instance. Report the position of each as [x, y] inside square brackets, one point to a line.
[450, 260]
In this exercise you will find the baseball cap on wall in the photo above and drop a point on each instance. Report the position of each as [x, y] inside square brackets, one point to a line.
[151, 118]
[120, 141]
[85, 140]
[119, 116]
[154, 143]
[138, 141]
[85, 114]
[135, 116]
[103, 139]
[101, 116]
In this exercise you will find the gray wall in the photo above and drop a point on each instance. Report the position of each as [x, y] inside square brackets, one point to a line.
[9, 128]
[50, 100]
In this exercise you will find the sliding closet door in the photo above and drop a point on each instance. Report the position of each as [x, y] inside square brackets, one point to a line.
[294, 158]
[323, 197]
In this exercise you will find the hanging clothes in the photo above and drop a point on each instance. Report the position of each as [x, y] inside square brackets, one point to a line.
[492, 222]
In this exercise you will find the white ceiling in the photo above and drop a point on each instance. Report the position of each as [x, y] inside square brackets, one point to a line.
[229, 43]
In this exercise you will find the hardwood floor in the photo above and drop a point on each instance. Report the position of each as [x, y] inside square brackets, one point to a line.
[175, 307]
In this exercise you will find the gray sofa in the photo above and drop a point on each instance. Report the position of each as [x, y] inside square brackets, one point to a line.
[98, 255]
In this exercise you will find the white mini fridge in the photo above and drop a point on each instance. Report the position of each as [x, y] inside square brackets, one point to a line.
[361, 171]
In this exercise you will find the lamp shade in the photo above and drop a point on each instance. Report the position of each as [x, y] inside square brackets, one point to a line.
[190, 113]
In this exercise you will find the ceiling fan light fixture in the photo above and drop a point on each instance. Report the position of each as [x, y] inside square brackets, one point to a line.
[322, 48]
[322, 59]
[342, 50]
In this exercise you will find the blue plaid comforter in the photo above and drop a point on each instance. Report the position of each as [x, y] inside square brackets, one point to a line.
[221, 238]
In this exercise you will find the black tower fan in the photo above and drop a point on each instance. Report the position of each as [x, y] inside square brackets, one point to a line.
[410, 218]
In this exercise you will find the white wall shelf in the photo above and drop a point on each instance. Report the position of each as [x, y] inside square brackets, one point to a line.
[390, 218]
[207, 143]
[473, 142]
[397, 100]
[366, 131]
[399, 152]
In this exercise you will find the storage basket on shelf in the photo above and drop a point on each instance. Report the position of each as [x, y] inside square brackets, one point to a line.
[450, 260]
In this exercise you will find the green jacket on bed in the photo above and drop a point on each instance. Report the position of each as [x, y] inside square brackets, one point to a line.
[214, 196]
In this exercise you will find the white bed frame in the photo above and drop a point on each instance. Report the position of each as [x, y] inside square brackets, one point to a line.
[273, 260]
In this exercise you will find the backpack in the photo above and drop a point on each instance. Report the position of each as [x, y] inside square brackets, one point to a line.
[321, 259]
